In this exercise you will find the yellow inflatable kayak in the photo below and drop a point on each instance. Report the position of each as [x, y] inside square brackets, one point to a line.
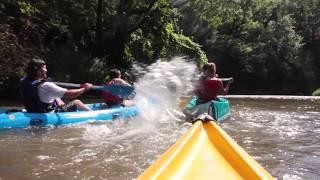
[205, 151]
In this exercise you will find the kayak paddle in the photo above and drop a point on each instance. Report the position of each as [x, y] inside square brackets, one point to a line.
[117, 89]
[226, 79]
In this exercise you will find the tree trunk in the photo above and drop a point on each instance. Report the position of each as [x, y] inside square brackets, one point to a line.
[99, 39]
[116, 50]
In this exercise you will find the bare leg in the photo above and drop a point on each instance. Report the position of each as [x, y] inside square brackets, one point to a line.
[60, 102]
[81, 106]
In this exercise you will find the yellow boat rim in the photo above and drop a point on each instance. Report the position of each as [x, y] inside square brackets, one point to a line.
[205, 151]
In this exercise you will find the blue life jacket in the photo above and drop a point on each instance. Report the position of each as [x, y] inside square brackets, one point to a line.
[31, 97]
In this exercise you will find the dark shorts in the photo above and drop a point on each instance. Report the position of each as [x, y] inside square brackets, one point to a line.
[69, 107]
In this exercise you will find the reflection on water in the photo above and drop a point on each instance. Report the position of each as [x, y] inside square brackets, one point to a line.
[282, 135]
[109, 150]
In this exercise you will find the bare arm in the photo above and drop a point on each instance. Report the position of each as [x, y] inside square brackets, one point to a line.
[121, 81]
[72, 93]
[224, 90]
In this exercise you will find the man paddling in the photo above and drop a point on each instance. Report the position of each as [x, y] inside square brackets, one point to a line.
[41, 96]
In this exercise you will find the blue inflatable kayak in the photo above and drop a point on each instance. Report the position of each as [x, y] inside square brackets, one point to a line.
[22, 119]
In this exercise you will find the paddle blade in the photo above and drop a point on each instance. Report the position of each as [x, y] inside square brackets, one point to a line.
[123, 91]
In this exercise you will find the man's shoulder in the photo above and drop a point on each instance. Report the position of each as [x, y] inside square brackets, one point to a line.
[119, 81]
[46, 83]
[50, 85]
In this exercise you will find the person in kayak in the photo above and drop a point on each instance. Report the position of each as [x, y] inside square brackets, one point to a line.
[112, 99]
[209, 85]
[41, 96]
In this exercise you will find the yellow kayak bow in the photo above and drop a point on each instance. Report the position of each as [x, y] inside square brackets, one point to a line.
[205, 151]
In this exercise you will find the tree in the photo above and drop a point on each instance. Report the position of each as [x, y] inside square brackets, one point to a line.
[258, 36]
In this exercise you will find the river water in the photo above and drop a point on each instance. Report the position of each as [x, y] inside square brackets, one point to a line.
[282, 134]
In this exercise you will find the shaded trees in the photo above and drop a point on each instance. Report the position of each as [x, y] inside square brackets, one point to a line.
[103, 33]
[258, 38]
[268, 46]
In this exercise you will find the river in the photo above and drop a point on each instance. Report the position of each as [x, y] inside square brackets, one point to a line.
[282, 134]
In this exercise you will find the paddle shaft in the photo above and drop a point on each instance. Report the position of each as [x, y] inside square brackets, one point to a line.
[123, 91]
[225, 79]
[76, 85]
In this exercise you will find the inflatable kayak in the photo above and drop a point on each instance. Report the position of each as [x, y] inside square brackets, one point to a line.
[219, 109]
[22, 119]
[205, 151]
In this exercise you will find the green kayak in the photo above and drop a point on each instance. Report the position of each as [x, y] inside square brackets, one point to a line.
[219, 108]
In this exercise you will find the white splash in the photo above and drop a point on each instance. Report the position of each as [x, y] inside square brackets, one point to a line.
[158, 90]
[161, 86]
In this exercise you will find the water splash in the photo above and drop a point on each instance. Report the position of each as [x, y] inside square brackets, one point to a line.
[122, 148]
[161, 86]
[157, 95]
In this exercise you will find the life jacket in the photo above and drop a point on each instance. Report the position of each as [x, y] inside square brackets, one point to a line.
[208, 90]
[31, 97]
[110, 98]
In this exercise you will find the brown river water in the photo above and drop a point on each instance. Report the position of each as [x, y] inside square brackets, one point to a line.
[281, 133]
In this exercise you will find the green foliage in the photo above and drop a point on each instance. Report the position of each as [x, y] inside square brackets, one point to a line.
[82, 39]
[185, 45]
[316, 92]
[260, 35]
[160, 38]
[306, 13]
[76, 34]
[12, 54]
